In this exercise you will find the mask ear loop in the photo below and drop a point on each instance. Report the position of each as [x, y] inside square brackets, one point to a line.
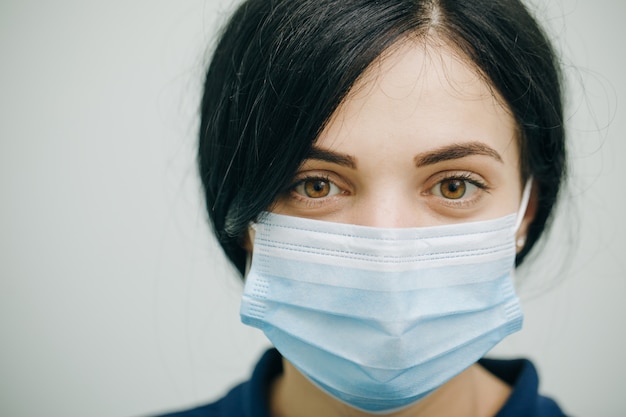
[523, 204]
[521, 241]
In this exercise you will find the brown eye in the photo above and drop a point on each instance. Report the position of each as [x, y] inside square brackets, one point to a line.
[452, 189]
[316, 188]
[459, 190]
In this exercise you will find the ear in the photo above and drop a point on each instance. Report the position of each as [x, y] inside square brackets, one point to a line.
[246, 242]
[247, 239]
[529, 216]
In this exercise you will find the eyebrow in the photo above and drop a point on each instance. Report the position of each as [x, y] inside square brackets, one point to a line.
[332, 157]
[455, 151]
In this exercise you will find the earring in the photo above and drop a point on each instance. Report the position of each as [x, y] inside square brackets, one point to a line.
[520, 242]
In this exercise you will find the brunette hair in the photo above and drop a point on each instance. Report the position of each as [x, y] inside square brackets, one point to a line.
[282, 67]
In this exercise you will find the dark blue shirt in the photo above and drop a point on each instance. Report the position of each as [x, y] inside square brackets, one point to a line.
[250, 399]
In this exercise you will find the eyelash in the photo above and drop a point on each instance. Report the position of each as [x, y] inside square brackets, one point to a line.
[466, 176]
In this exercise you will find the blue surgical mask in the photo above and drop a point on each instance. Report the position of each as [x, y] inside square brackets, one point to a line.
[379, 318]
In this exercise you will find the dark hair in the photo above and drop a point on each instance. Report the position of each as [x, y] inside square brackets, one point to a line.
[282, 67]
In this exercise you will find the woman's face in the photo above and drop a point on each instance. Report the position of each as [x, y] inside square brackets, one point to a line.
[419, 141]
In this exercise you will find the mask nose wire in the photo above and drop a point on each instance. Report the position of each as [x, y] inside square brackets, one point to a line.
[523, 204]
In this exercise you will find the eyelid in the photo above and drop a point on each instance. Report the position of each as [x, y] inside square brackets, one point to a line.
[307, 176]
[468, 176]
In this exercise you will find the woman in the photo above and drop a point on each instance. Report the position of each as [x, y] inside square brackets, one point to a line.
[376, 170]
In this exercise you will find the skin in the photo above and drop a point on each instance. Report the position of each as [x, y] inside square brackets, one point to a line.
[421, 140]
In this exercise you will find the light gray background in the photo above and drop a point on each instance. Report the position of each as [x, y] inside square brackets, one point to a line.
[114, 300]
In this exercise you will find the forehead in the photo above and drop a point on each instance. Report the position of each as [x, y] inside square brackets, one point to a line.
[427, 93]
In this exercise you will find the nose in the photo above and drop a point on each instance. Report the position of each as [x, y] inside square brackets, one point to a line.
[391, 208]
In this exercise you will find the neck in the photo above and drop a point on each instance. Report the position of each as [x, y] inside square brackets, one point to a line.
[474, 392]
